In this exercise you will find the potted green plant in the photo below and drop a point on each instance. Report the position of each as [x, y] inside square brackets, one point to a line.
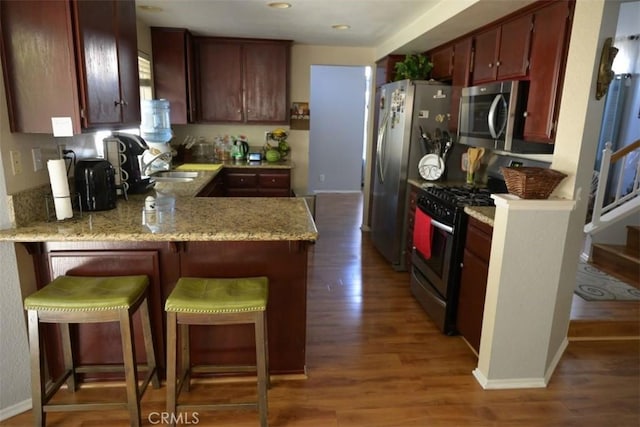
[414, 67]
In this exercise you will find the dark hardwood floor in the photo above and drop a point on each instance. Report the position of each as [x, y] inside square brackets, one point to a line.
[375, 359]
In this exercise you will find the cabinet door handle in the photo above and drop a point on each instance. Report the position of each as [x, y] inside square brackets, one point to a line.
[490, 65]
[273, 180]
[124, 102]
[498, 64]
[525, 114]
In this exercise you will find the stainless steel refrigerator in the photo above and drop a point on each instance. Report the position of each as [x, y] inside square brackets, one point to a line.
[404, 107]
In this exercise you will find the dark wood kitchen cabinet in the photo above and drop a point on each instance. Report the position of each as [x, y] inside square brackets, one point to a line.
[442, 60]
[549, 47]
[86, 65]
[247, 182]
[108, 53]
[473, 281]
[215, 187]
[242, 80]
[502, 52]
[173, 71]
[461, 77]
[385, 69]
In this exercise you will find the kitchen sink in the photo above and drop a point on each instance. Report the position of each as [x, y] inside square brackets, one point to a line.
[172, 179]
[174, 176]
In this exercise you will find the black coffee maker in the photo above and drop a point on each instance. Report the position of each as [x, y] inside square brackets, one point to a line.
[96, 183]
[135, 147]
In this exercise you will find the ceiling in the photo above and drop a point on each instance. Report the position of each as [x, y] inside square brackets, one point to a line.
[306, 22]
[371, 22]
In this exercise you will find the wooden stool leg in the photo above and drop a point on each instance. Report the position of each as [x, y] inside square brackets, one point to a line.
[266, 349]
[171, 362]
[67, 354]
[261, 362]
[148, 343]
[38, 380]
[185, 356]
[130, 368]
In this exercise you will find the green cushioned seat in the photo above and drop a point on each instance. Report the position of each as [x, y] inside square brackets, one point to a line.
[201, 295]
[75, 293]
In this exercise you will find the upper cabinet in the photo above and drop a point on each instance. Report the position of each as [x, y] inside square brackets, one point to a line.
[84, 64]
[530, 44]
[173, 72]
[242, 80]
[442, 60]
[108, 53]
[503, 52]
[385, 69]
[462, 51]
[549, 47]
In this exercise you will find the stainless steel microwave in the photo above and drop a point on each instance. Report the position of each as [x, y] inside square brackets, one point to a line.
[493, 116]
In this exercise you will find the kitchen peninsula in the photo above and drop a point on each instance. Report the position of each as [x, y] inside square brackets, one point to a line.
[185, 236]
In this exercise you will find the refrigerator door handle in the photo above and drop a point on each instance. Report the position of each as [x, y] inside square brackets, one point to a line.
[380, 147]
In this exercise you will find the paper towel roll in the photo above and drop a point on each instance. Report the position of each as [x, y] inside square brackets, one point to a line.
[60, 188]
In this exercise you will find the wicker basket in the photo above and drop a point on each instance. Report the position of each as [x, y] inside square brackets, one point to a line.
[531, 182]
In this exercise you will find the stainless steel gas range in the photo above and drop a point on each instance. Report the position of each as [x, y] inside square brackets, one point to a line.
[436, 257]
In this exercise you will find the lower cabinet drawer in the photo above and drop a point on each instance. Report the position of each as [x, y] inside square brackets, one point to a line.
[274, 180]
[241, 180]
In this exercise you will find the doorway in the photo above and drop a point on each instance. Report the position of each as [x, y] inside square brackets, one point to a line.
[338, 104]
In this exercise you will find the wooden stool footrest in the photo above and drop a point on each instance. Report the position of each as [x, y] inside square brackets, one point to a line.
[216, 406]
[66, 407]
[213, 369]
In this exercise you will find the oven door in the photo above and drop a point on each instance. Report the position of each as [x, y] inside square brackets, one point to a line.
[436, 269]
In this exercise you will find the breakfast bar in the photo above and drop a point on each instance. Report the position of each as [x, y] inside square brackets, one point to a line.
[178, 235]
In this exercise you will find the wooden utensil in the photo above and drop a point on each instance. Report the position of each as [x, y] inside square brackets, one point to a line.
[473, 156]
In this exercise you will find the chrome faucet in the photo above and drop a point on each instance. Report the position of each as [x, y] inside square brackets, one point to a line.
[166, 156]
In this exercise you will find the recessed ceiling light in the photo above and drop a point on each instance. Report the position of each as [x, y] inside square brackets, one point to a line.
[148, 8]
[341, 27]
[279, 5]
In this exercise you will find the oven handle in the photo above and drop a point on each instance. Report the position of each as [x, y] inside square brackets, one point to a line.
[441, 226]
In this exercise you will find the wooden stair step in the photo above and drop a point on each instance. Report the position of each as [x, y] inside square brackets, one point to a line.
[618, 261]
[603, 329]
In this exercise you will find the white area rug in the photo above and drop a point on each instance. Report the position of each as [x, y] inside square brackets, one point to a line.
[595, 285]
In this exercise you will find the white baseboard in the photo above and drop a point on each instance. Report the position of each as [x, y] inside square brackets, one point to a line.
[556, 360]
[488, 384]
[16, 409]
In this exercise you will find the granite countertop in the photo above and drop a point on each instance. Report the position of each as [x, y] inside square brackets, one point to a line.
[484, 214]
[180, 216]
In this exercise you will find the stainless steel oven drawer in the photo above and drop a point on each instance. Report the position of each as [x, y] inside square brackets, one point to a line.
[428, 298]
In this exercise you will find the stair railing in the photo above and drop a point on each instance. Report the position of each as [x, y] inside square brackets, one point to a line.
[608, 159]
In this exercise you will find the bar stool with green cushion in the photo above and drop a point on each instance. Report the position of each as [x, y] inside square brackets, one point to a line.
[74, 299]
[216, 301]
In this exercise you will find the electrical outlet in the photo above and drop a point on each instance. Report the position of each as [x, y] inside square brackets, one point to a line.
[16, 162]
[321, 177]
[36, 156]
